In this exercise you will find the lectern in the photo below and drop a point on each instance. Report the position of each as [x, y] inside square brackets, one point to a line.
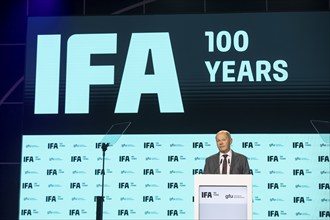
[222, 197]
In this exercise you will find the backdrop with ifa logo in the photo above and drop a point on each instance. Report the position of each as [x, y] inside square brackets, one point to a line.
[177, 79]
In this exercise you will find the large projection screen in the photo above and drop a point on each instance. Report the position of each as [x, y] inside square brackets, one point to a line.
[177, 79]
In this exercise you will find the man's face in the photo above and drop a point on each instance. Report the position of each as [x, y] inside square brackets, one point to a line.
[223, 142]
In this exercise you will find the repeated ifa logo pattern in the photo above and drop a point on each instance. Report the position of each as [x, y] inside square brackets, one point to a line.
[151, 176]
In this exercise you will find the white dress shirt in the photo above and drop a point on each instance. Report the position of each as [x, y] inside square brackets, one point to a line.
[229, 153]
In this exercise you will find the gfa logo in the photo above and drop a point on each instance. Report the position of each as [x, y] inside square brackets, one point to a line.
[80, 75]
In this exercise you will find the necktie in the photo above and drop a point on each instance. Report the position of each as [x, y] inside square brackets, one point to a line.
[224, 165]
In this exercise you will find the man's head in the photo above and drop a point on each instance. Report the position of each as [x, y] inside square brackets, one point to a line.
[224, 140]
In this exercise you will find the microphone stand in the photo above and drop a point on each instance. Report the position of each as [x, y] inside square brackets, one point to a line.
[100, 199]
[117, 129]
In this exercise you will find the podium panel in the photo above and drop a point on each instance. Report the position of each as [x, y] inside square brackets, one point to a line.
[222, 197]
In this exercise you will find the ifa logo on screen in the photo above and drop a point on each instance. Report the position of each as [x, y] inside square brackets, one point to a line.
[80, 74]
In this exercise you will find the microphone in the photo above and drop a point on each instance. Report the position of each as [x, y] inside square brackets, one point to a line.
[217, 169]
[229, 165]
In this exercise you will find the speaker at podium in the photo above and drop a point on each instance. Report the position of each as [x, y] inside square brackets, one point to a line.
[222, 197]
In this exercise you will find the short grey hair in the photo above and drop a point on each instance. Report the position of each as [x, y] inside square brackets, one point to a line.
[223, 131]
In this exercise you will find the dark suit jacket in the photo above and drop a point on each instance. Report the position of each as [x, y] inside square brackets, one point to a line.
[238, 165]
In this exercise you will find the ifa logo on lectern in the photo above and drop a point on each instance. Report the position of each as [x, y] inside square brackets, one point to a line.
[206, 195]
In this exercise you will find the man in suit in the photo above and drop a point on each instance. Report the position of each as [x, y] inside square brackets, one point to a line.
[226, 161]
